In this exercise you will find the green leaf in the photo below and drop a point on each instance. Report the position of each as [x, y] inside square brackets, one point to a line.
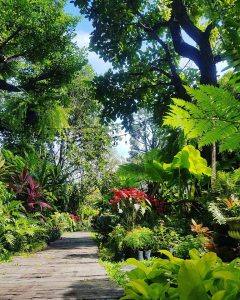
[190, 282]
[140, 265]
[207, 263]
[140, 287]
[194, 254]
[219, 295]
[190, 158]
[212, 118]
[233, 275]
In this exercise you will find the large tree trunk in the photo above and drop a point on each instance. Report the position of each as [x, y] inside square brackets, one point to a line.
[202, 56]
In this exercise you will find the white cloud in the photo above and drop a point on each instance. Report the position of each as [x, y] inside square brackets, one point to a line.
[82, 39]
[123, 144]
[98, 64]
[123, 147]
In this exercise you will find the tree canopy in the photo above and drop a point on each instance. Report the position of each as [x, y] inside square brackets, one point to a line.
[37, 59]
[36, 46]
[146, 40]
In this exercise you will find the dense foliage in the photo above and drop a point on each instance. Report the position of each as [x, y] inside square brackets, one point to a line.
[205, 277]
[53, 146]
[149, 47]
[58, 171]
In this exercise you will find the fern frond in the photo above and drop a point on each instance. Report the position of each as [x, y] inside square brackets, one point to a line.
[214, 116]
[230, 143]
[217, 214]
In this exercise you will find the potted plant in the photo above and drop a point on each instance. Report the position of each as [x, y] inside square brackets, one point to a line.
[140, 239]
[228, 211]
[232, 211]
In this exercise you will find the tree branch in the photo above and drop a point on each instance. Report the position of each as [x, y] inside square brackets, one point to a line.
[152, 69]
[180, 46]
[13, 57]
[218, 58]
[8, 87]
[4, 43]
[176, 80]
[179, 14]
[208, 29]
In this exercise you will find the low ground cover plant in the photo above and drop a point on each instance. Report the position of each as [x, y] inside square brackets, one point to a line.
[205, 277]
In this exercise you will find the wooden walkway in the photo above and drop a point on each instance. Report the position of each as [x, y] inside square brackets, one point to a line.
[67, 269]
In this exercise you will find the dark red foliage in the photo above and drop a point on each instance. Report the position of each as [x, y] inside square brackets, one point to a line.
[28, 191]
[24, 175]
[127, 194]
[158, 204]
[74, 217]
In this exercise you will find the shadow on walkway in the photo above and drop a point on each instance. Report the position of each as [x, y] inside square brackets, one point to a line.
[82, 255]
[94, 290]
[72, 242]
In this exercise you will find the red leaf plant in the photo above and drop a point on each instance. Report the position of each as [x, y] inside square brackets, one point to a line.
[131, 194]
[131, 203]
[28, 191]
[74, 217]
[158, 204]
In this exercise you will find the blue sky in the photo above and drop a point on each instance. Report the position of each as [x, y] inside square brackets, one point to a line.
[83, 30]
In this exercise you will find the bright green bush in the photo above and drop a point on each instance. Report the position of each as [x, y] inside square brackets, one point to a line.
[199, 278]
[139, 238]
[115, 271]
[86, 213]
[21, 231]
[18, 232]
[106, 254]
[116, 238]
[62, 221]
[165, 237]
[189, 242]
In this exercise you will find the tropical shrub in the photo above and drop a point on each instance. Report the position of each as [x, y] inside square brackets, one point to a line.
[86, 214]
[166, 237]
[103, 225]
[205, 277]
[24, 231]
[228, 183]
[63, 221]
[175, 180]
[28, 191]
[188, 243]
[223, 208]
[116, 239]
[19, 231]
[158, 204]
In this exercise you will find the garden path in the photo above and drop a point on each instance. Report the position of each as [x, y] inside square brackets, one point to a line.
[67, 269]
